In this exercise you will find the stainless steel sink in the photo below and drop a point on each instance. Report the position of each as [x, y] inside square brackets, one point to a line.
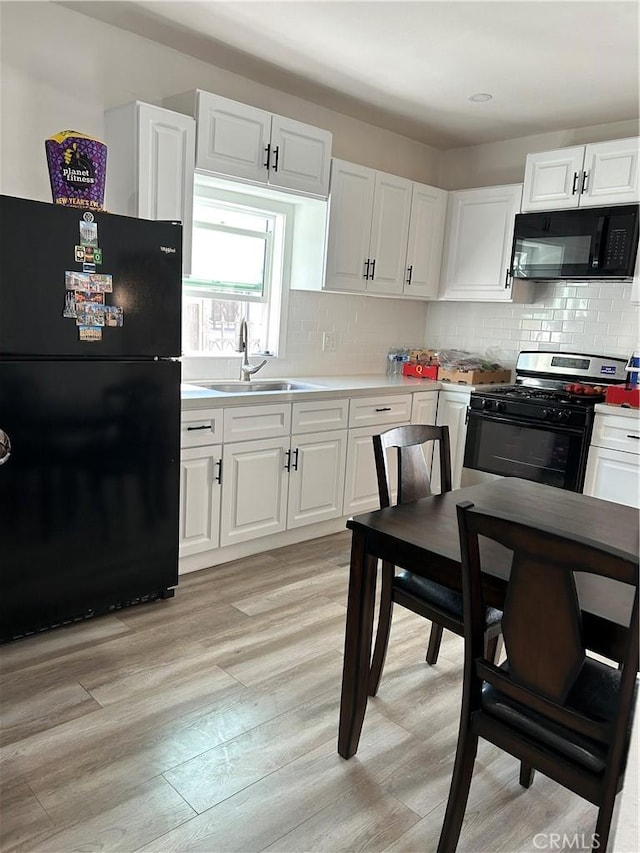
[239, 387]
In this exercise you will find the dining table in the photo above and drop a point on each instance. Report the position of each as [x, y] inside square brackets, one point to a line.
[422, 537]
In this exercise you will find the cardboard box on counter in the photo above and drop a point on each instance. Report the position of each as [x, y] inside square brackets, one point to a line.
[474, 377]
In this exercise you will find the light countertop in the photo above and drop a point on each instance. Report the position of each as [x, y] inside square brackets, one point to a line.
[194, 396]
[623, 411]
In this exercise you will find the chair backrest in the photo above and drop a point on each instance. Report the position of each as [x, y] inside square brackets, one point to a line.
[542, 622]
[413, 474]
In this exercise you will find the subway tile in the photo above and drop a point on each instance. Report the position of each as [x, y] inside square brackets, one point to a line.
[541, 336]
[573, 326]
[552, 326]
[582, 304]
[531, 325]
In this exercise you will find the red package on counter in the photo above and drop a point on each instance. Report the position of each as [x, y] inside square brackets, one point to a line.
[618, 395]
[421, 371]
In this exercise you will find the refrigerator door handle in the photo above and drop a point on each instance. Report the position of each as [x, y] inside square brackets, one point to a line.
[5, 447]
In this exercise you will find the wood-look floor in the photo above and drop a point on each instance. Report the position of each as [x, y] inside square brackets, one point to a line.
[209, 722]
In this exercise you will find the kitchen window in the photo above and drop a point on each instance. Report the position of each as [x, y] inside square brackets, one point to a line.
[241, 247]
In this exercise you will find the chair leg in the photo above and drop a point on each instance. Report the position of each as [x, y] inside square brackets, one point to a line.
[459, 792]
[526, 775]
[603, 823]
[384, 627]
[493, 648]
[435, 638]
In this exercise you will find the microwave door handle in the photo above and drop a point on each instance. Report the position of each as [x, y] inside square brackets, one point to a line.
[596, 260]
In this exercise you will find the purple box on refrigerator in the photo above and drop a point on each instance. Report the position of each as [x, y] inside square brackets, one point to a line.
[77, 169]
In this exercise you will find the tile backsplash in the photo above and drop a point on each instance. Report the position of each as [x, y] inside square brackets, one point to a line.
[364, 327]
[597, 317]
[593, 318]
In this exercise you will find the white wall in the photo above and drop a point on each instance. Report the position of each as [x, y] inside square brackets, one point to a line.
[61, 69]
[495, 163]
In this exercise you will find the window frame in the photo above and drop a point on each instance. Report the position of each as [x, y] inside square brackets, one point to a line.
[277, 283]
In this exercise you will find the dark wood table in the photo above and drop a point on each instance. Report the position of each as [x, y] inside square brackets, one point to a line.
[422, 537]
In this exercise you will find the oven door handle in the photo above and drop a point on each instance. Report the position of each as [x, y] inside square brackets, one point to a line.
[521, 422]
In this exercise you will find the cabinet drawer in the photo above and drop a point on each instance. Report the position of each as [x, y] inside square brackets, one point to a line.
[321, 415]
[244, 423]
[369, 411]
[617, 433]
[201, 427]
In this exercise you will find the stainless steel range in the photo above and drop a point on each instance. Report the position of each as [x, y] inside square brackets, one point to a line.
[539, 429]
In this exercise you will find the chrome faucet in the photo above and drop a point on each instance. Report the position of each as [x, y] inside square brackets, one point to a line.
[246, 368]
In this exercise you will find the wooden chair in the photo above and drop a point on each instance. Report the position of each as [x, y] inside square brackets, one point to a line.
[550, 705]
[442, 606]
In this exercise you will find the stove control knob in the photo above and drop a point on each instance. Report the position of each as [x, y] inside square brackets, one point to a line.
[563, 417]
[547, 414]
[487, 405]
[501, 406]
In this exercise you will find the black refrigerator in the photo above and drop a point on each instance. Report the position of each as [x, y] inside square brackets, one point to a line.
[90, 327]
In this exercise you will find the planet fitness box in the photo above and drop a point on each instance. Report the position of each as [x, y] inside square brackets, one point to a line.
[77, 169]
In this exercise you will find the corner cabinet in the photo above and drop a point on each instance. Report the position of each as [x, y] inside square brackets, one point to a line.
[151, 161]
[477, 254]
[613, 464]
[599, 174]
[385, 233]
[249, 144]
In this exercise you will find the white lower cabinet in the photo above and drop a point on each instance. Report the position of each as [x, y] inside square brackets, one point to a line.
[200, 461]
[452, 412]
[316, 481]
[199, 499]
[254, 489]
[424, 411]
[361, 483]
[613, 464]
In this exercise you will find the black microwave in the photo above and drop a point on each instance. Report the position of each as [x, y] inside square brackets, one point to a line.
[597, 242]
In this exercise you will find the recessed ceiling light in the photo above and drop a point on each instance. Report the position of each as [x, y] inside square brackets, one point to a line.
[480, 96]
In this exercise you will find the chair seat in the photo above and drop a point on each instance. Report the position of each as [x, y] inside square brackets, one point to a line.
[594, 694]
[440, 596]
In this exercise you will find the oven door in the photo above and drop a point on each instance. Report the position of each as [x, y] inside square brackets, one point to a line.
[546, 453]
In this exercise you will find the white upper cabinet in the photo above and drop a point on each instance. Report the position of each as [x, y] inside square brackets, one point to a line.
[389, 234]
[243, 142]
[426, 236]
[151, 159]
[593, 175]
[350, 211]
[479, 237]
[385, 233]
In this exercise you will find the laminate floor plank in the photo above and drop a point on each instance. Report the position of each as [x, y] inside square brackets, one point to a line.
[209, 722]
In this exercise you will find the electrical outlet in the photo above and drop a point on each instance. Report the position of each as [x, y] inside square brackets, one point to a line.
[328, 341]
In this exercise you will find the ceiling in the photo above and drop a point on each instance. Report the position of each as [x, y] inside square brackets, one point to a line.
[411, 66]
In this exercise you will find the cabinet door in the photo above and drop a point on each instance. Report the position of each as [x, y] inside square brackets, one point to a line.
[361, 482]
[389, 234]
[452, 411]
[611, 173]
[300, 156]
[553, 179]
[199, 499]
[426, 235]
[424, 411]
[151, 163]
[613, 476]
[232, 138]
[316, 483]
[350, 209]
[479, 238]
[254, 489]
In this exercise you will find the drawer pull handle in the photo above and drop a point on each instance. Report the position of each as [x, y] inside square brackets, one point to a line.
[637, 437]
[204, 426]
[218, 477]
[384, 409]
